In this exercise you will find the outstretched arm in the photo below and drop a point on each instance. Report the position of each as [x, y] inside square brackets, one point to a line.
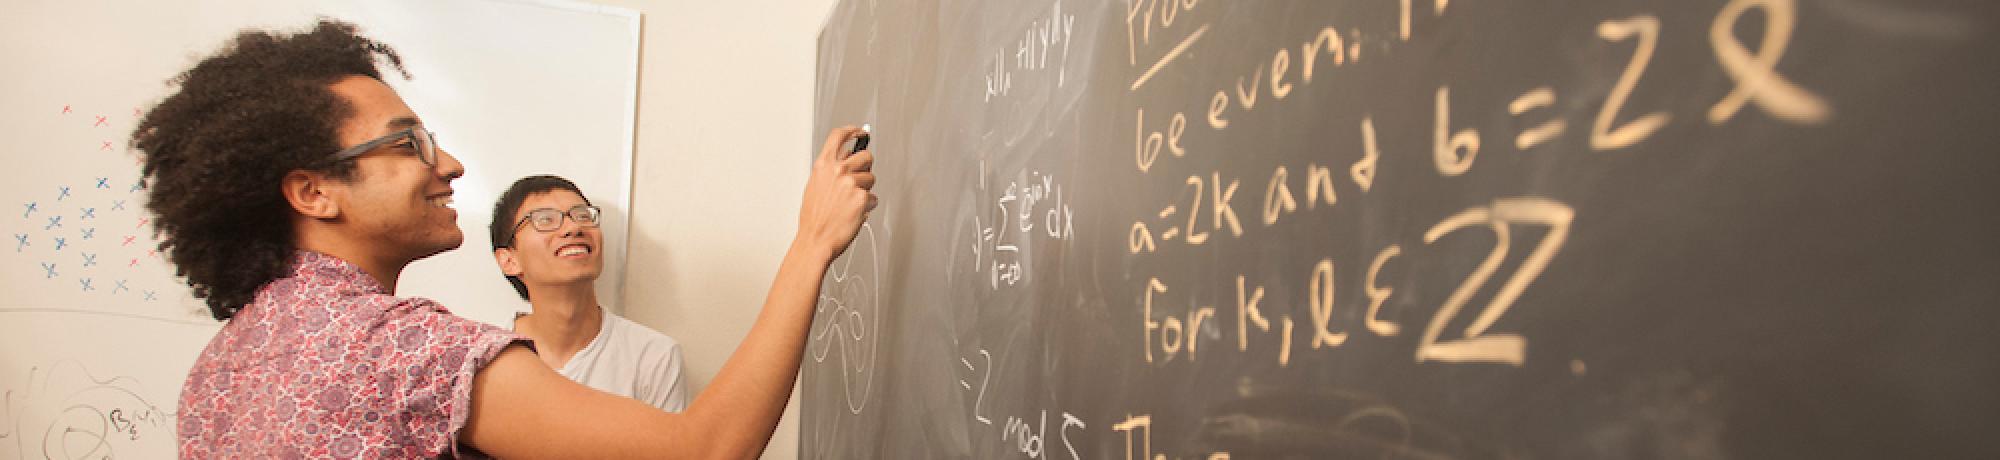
[520, 408]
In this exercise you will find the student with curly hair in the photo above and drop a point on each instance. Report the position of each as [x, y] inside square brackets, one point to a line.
[291, 186]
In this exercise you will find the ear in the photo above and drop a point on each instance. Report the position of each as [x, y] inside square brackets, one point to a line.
[509, 265]
[307, 193]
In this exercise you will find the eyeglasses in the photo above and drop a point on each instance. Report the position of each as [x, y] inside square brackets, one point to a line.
[549, 219]
[423, 143]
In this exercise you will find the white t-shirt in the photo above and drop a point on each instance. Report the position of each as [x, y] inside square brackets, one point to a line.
[631, 360]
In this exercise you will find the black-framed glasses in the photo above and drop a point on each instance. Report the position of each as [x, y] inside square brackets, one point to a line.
[422, 141]
[549, 219]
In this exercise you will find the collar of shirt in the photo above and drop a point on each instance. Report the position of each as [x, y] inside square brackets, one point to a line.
[324, 293]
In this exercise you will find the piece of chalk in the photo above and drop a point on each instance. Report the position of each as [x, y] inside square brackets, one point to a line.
[861, 141]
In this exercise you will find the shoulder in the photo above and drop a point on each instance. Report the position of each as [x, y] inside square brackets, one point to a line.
[426, 344]
[414, 322]
[656, 359]
[628, 333]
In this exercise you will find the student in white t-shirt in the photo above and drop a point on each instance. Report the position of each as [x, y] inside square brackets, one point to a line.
[547, 242]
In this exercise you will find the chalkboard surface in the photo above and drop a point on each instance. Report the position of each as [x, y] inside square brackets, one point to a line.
[1414, 229]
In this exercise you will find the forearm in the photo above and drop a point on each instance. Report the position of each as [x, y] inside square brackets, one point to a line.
[521, 408]
[749, 394]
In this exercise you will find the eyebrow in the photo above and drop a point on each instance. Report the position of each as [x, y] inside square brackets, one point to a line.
[403, 122]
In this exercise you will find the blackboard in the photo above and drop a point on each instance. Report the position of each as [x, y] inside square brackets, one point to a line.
[1192, 229]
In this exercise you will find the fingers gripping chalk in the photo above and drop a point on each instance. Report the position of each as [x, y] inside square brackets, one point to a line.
[861, 140]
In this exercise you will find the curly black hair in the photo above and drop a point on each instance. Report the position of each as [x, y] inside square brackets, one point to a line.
[217, 150]
[503, 225]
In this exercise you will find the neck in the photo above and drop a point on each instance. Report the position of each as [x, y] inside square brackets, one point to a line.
[385, 269]
[565, 319]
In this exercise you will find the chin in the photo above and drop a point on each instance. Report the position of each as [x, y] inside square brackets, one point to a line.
[586, 273]
[445, 244]
[577, 279]
[452, 240]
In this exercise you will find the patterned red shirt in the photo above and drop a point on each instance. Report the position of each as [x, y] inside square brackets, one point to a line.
[325, 363]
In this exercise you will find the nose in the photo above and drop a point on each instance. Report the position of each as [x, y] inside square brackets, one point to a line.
[569, 227]
[448, 167]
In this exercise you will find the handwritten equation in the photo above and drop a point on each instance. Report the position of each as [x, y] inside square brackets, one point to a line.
[1520, 236]
[1025, 436]
[1044, 45]
[1025, 210]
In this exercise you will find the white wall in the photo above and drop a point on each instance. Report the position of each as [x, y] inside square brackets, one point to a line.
[725, 113]
[96, 331]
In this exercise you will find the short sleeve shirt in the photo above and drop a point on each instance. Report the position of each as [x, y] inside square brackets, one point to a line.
[324, 362]
[628, 359]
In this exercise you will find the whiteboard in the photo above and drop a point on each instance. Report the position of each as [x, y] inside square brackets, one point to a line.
[97, 335]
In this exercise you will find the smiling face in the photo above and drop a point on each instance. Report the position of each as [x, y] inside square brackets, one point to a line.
[394, 198]
[569, 255]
